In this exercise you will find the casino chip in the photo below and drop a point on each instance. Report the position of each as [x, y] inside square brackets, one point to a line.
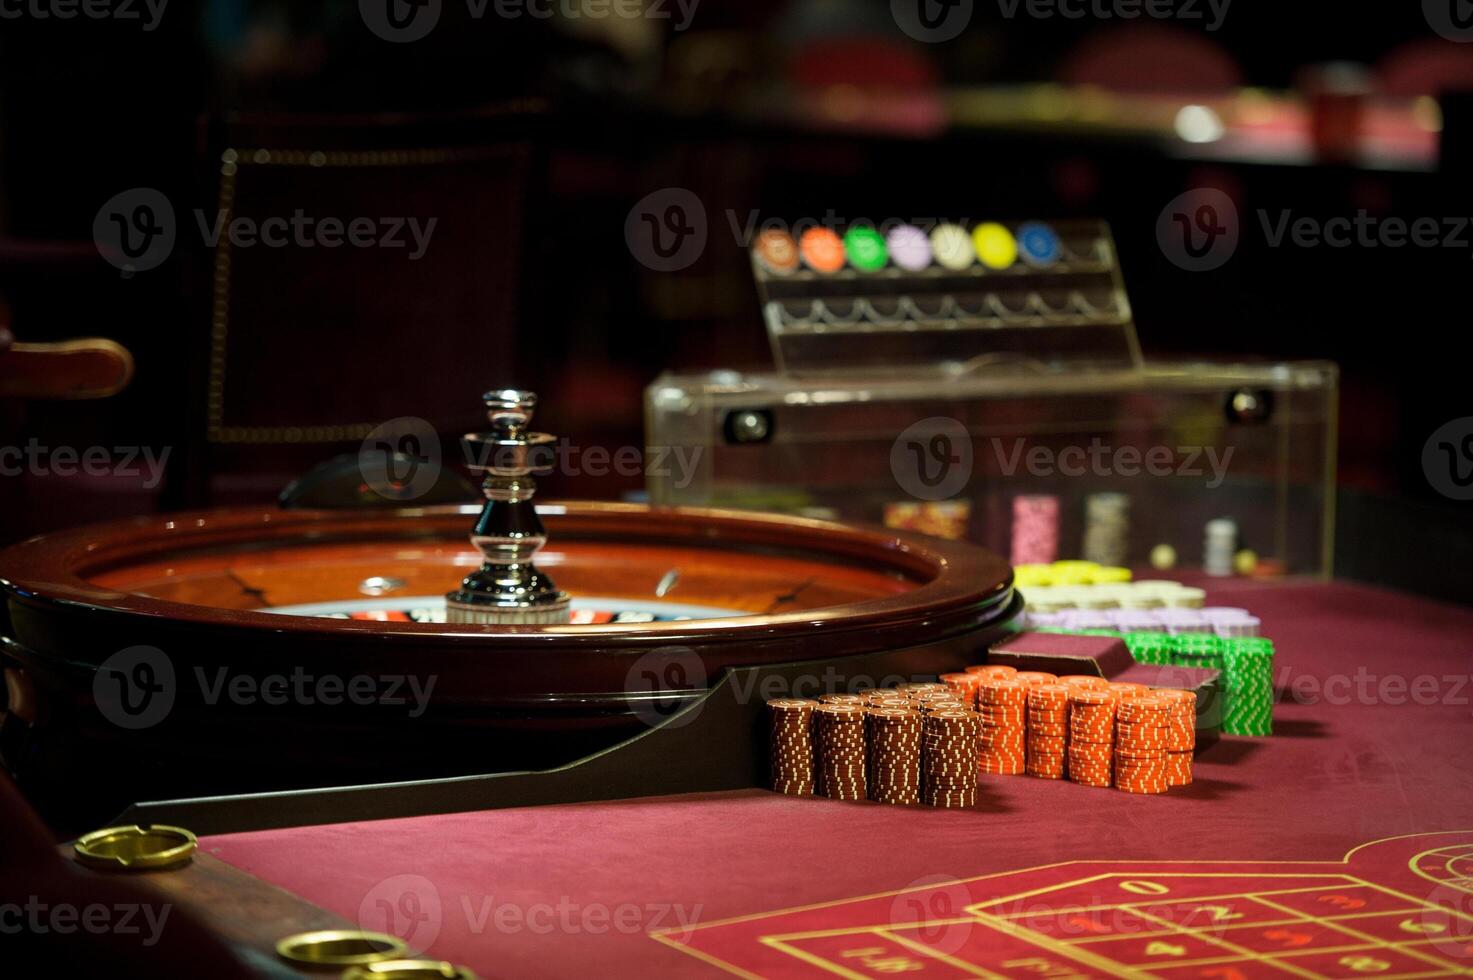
[776, 252]
[992, 670]
[1002, 706]
[952, 247]
[1038, 244]
[1035, 530]
[1245, 562]
[865, 248]
[1091, 733]
[1048, 730]
[1163, 557]
[995, 245]
[1248, 686]
[1141, 740]
[949, 742]
[840, 734]
[841, 698]
[1149, 647]
[822, 250]
[1106, 528]
[909, 247]
[793, 763]
[1218, 547]
[964, 686]
[894, 754]
[1181, 734]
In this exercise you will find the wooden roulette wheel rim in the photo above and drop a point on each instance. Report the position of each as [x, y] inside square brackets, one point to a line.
[73, 599]
[951, 585]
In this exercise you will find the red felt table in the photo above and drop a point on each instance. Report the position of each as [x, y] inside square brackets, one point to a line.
[1376, 751]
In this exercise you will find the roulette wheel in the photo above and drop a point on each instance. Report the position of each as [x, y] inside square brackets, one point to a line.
[254, 649]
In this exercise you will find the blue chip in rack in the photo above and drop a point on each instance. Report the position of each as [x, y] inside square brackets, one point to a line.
[1038, 245]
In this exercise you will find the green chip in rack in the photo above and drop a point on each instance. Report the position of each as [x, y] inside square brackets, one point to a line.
[866, 248]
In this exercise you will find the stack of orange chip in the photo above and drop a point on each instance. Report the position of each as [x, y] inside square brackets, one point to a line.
[793, 771]
[1002, 704]
[894, 755]
[992, 670]
[949, 758]
[1088, 682]
[964, 686]
[1124, 689]
[1091, 735]
[1048, 730]
[839, 729]
[1140, 744]
[1181, 734]
[1033, 678]
[919, 687]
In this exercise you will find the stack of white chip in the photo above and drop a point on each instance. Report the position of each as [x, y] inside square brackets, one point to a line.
[1220, 546]
[1107, 528]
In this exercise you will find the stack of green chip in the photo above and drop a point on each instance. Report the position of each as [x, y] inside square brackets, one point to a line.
[1149, 648]
[1197, 650]
[1248, 686]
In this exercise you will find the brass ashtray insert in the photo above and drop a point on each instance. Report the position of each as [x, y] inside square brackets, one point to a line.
[341, 947]
[409, 970]
[135, 848]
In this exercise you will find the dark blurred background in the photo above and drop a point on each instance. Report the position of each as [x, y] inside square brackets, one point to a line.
[529, 139]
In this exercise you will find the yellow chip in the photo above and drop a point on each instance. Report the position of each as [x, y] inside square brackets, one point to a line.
[1110, 575]
[996, 246]
[1032, 575]
[1163, 556]
[1245, 561]
[1073, 565]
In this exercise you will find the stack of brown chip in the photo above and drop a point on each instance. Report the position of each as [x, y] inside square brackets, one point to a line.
[840, 735]
[841, 699]
[929, 701]
[894, 755]
[1091, 735]
[1181, 734]
[949, 758]
[1140, 744]
[921, 687]
[1048, 730]
[1002, 704]
[793, 770]
[885, 697]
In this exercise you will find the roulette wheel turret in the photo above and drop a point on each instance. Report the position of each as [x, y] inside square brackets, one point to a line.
[254, 649]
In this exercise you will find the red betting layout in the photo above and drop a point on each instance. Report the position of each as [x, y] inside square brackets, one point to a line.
[1401, 907]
